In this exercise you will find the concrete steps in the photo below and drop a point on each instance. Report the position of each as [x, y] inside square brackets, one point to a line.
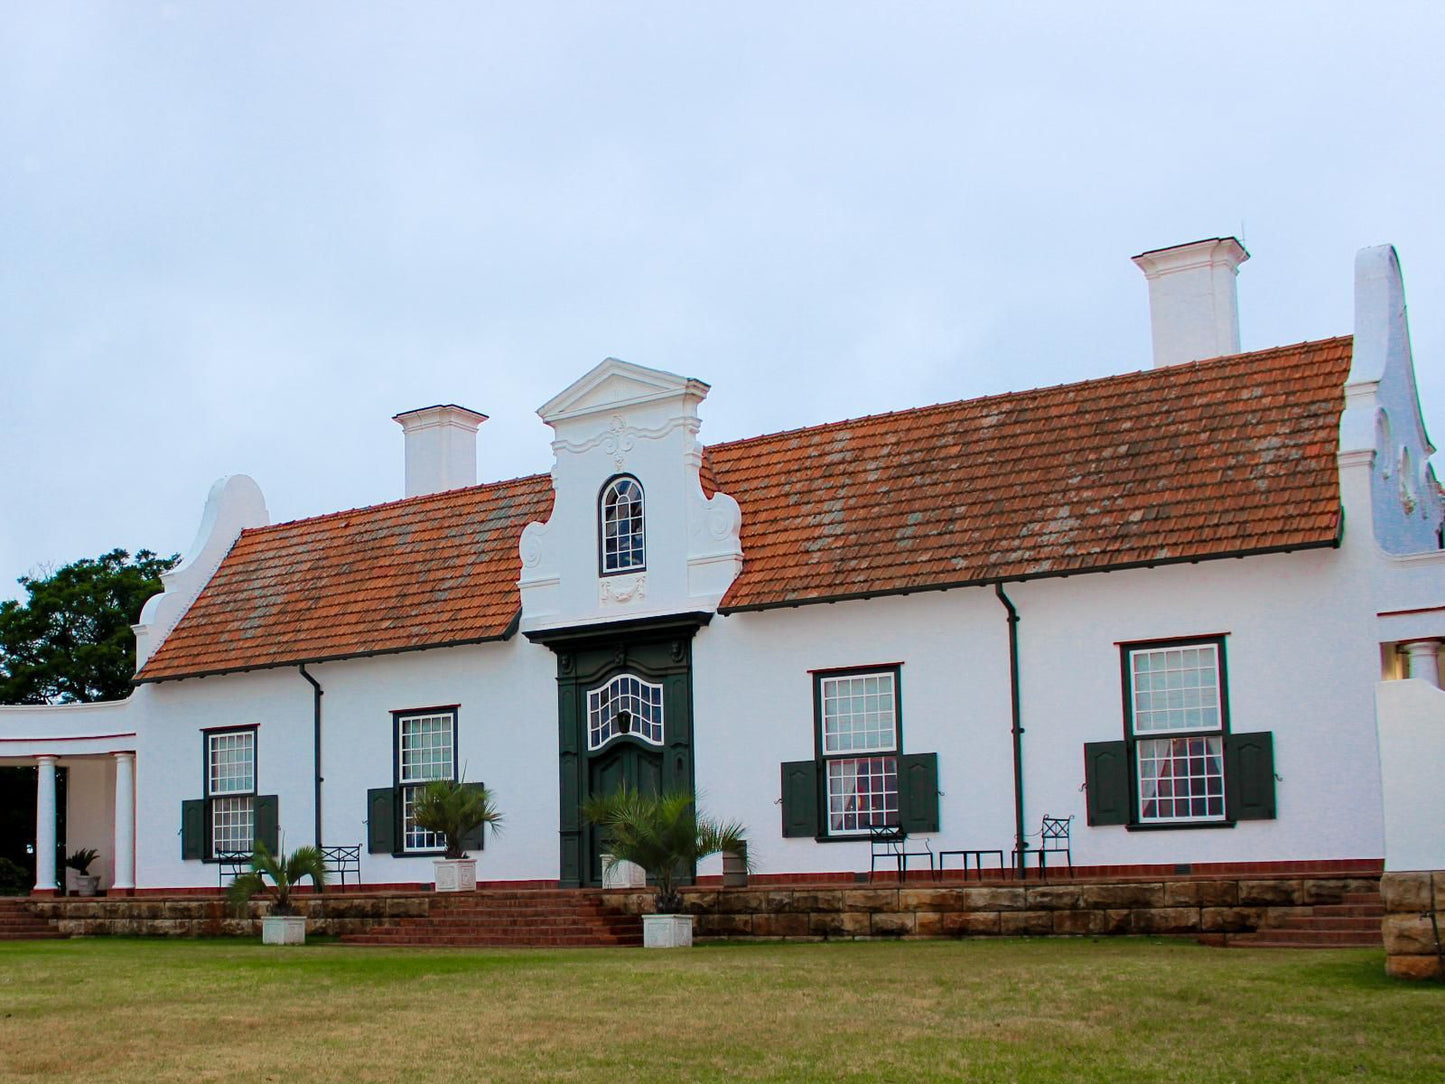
[19, 923]
[537, 918]
[1353, 923]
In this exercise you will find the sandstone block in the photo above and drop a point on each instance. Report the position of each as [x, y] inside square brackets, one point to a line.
[811, 900]
[1414, 967]
[1230, 919]
[728, 925]
[971, 923]
[1165, 920]
[993, 899]
[1116, 920]
[930, 899]
[1026, 923]
[774, 925]
[1409, 935]
[928, 924]
[1076, 923]
[1201, 893]
[1271, 893]
[874, 900]
[896, 924]
[1131, 896]
[1054, 898]
[745, 901]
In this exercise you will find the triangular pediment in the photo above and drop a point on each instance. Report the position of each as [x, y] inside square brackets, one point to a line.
[615, 384]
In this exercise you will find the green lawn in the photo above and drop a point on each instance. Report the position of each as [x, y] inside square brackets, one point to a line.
[1042, 1010]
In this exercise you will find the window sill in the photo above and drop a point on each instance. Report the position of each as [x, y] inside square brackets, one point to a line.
[1176, 826]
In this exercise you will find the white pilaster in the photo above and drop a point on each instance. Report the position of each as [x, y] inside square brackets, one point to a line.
[124, 850]
[45, 825]
[1423, 660]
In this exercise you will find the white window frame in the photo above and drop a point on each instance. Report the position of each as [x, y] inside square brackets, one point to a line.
[867, 751]
[230, 797]
[1177, 717]
[411, 777]
[632, 557]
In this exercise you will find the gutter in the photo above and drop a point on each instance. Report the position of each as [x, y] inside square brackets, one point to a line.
[317, 693]
[1020, 843]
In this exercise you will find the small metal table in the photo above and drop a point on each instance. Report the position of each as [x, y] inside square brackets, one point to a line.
[976, 855]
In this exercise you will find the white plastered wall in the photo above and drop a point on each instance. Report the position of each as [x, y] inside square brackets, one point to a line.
[1300, 661]
[506, 737]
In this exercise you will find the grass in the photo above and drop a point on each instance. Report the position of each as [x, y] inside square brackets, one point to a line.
[1045, 1010]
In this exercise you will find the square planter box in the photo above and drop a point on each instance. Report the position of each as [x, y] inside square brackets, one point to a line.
[283, 930]
[455, 874]
[667, 931]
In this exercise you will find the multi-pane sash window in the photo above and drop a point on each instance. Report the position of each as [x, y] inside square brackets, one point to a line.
[624, 547]
[858, 724]
[625, 705]
[425, 751]
[1177, 721]
[231, 790]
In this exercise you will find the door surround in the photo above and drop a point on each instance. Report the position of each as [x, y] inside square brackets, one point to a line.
[656, 649]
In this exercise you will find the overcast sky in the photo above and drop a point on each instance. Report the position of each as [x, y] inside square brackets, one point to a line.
[239, 238]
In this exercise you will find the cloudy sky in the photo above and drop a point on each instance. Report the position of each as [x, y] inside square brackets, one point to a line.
[238, 238]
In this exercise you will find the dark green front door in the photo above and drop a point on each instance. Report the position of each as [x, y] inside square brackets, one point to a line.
[623, 763]
[650, 758]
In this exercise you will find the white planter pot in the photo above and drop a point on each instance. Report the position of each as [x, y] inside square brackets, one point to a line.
[86, 885]
[283, 930]
[667, 931]
[622, 874]
[455, 874]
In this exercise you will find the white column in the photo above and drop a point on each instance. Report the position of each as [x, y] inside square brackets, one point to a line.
[124, 821]
[45, 825]
[1423, 660]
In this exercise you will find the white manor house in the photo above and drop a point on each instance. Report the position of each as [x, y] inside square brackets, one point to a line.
[1198, 609]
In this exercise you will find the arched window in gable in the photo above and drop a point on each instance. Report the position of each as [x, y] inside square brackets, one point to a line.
[624, 540]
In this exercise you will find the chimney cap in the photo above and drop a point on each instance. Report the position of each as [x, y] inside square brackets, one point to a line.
[449, 412]
[1225, 249]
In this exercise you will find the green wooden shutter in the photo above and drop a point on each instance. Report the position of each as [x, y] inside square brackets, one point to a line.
[193, 829]
[1106, 779]
[267, 810]
[800, 798]
[475, 839]
[381, 820]
[918, 792]
[1249, 776]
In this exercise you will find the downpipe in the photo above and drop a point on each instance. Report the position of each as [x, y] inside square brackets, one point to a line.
[317, 694]
[1020, 842]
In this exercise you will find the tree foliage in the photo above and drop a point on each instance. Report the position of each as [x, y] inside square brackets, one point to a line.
[455, 810]
[70, 640]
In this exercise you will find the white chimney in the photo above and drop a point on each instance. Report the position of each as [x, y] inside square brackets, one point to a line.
[1193, 299]
[441, 448]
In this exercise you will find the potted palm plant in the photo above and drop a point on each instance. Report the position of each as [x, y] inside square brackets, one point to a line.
[459, 813]
[86, 882]
[277, 876]
[667, 836]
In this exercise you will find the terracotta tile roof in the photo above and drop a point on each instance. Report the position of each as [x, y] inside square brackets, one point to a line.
[416, 573]
[1228, 456]
[1217, 458]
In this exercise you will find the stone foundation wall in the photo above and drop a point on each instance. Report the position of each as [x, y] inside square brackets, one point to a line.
[1215, 906]
[193, 916]
[1414, 924]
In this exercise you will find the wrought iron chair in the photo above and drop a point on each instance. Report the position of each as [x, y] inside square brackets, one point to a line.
[890, 843]
[1053, 839]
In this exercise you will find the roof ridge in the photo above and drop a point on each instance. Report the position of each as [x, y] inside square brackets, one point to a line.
[420, 499]
[997, 396]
